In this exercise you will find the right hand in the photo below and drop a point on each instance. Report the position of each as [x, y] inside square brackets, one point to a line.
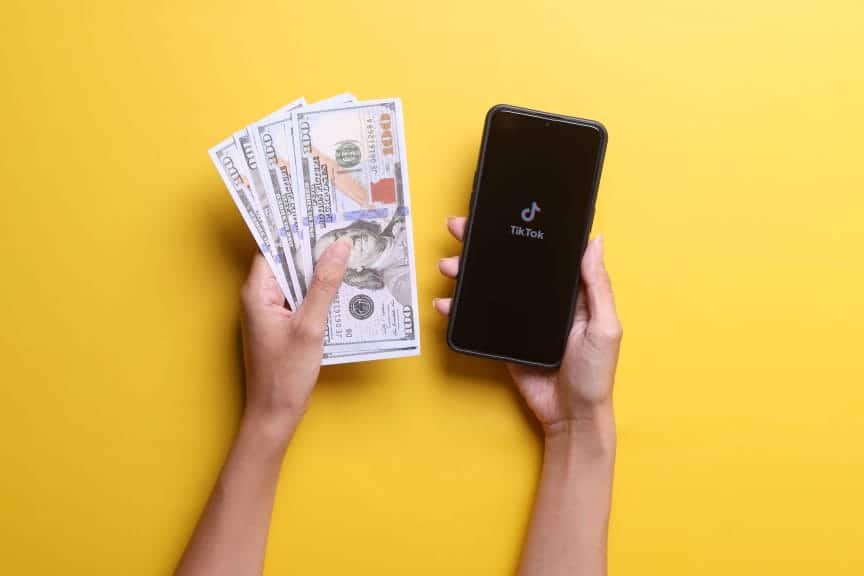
[581, 389]
[283, 349]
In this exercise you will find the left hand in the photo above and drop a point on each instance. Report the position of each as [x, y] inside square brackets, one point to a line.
[283, 349]
[581, 389]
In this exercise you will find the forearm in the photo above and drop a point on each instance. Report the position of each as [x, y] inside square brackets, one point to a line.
[569, 524]
[231, 535]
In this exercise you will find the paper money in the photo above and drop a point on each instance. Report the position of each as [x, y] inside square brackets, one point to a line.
[304, 176]
[233, 169]
[352, 165]
[274, 149]
[273, 141]
[265, 213]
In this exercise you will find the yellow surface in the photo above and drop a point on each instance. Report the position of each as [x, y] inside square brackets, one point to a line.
[731, 200]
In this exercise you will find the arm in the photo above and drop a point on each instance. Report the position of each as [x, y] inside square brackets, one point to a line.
[571, 513]
[569, 524]
[283, 353]
[232, 533]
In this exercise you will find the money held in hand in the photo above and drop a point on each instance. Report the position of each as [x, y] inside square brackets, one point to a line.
[310, 175]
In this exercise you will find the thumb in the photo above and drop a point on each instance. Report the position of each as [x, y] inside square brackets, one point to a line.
[603, 323]
[326, 280]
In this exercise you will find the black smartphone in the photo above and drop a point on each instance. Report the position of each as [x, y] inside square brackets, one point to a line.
[531, 211]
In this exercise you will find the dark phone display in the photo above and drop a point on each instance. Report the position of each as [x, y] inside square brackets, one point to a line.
[533, 207]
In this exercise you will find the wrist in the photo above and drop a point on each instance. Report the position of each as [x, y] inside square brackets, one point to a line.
[590, 432]
[271, 432]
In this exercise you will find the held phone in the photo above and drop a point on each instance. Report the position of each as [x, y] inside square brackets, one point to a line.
[531, 211]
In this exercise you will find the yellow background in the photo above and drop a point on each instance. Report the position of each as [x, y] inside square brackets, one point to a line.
[732, 203]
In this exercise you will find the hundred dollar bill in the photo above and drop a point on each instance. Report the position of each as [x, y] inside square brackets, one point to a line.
[346, 357]
[274, 146]
[274, 150]
[232, 168]
[343, 98]
[351, 162]
[264, 211]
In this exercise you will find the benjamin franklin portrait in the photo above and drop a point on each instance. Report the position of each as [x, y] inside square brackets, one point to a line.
[378, 257]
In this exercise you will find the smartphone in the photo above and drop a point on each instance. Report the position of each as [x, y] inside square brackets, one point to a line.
[531, 211]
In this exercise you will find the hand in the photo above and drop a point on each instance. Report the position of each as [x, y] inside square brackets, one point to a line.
[581, 389]
[283, 349]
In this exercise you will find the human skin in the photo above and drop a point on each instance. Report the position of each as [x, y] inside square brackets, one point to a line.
[569, 524]
[283, 351]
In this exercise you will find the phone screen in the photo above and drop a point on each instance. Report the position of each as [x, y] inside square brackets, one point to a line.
[533, 206]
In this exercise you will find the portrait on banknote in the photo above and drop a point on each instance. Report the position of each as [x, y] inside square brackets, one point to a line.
[379, 257]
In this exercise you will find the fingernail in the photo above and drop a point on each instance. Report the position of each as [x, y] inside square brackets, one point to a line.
[435, 303]
[599, 241]
[341, 250]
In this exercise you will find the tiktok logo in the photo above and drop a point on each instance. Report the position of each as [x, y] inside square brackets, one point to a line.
[529, 213]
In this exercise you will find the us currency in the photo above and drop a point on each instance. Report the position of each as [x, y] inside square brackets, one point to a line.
[244, 141]
[351, 164]
[274, 146]
[233, 169]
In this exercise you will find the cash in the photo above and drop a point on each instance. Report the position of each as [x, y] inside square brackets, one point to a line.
[272, 141]
[234, 171]
[265, 213]
[307, 175]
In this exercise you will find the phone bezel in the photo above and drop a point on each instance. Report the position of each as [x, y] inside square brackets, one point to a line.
[549, 117]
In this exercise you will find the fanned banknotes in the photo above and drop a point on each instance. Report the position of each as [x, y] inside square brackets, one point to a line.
[233, 169]
[307, 175]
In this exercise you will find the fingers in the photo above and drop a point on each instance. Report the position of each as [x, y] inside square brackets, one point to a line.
[581, 315]
[449, 266]
[259, 271]
[442, 305]
[603, 321]
[456, 226]
[326, 279]
[261, 286]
